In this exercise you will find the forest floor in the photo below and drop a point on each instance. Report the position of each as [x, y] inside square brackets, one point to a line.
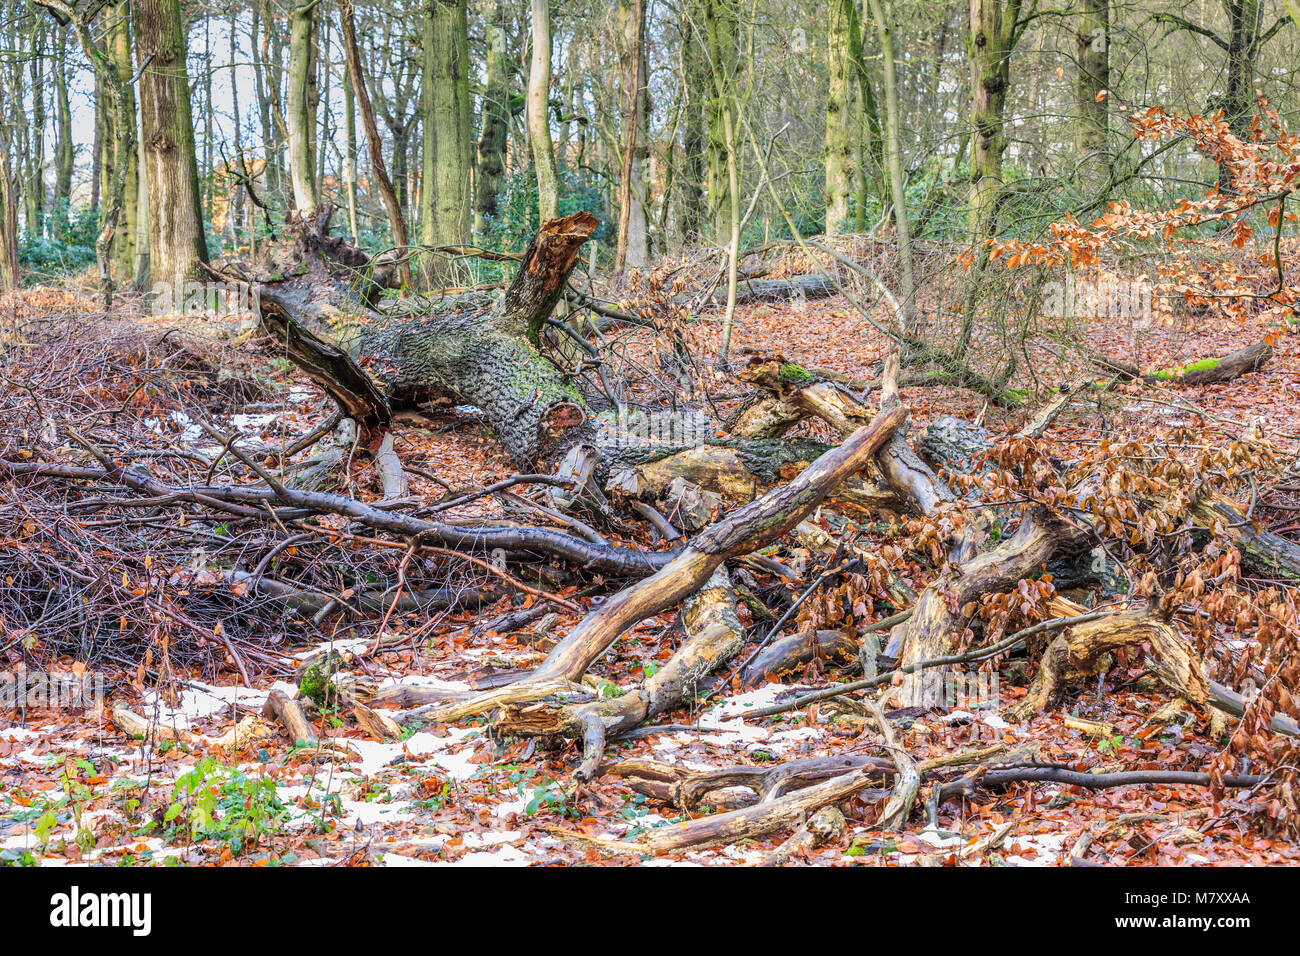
[75, 789]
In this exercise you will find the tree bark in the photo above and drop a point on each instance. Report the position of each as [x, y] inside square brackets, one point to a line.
[301, 79]
[539, 120]
[495, 123]
[1092, 57]
[177, 244]
[839, 140]
[445, 102]
[374, 146]
[631, 248]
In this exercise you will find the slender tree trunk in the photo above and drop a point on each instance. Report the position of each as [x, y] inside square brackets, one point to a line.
[117, 47]
[264, 86]
[97, 147]
[63, 152]
[446, 188]
[539, 120]
[350, 156]
[696, 84]
[721, 27]
[206, 169]
[894, 166]
[869, 161]
[495, 123]
[1092, 54]
[358, 80]
[840, 140]
[721, 45]
[177, 244]
[299, 112]
[321, 106]
[9, 274]
[631, 249]
[115, 88]
[36, 181]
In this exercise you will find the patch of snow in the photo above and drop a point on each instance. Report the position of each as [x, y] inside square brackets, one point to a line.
[347, 645]
[1048, 845]
[375, 756]
[504, 856]
[418, 680]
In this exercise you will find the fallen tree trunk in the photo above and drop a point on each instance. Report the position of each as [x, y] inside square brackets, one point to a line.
[939, 617]
[1263, 552]
[1084, 650]
[321, 303]
[1215, 370]
[1209, 371]
[714, 636]
[487, 358]
[774, 290]
[744, 530]
[797, 651]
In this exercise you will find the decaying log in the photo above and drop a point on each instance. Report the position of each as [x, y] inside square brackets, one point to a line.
[796, 651]
[1084, 650]
[1005, 776]
[775, 290]
[1262, 552]
[486, 358]
[744, 530]
[659, 780]
[133, 725]
[906, 782]
[1216, 370]
[741, 532]
[714, 635]
[1230, 702]
[289, 713]
[761, 818]
[938, 617]
[690, 789]
[1204, 372]
[824, 826]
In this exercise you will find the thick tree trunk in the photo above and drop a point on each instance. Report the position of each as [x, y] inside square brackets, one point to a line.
[495, 123]
[1092, 57]
[992, 34]
[177, 245]
[445, 103]
[487, 359]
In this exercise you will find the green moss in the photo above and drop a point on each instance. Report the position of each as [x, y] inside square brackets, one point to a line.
[1178, 371]
[791, 374]
[314, 682]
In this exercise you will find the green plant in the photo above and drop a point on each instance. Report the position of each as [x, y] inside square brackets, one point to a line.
[223, 803]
